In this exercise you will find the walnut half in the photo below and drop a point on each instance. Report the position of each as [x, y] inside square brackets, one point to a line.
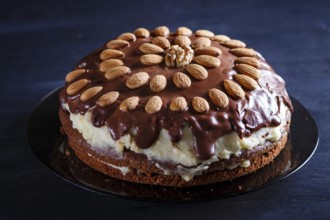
[177, 56]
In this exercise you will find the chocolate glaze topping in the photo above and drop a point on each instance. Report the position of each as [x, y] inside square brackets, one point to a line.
[259, 108]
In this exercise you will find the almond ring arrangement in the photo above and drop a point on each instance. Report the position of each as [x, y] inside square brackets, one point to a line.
[176, 108]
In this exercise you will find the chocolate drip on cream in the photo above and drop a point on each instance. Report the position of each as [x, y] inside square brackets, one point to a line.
[259, 108]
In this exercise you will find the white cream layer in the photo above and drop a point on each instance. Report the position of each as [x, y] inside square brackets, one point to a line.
[183, 152]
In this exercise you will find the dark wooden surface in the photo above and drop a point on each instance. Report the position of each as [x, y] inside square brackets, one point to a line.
[40, 41]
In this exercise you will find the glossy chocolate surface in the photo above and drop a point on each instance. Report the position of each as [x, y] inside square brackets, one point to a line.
[259, 108]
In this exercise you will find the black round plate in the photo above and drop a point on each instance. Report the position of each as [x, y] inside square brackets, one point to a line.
[51, 147]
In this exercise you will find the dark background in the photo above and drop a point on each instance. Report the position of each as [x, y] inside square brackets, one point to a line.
[40, 41]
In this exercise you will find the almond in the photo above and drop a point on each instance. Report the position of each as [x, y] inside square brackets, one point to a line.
[137, 80]
[107, 99]
[220, 38]
[74, 74]
[116, 72]
[153, 105]
[90, 93]
[181, 80]
[243, 52]
[158, 83]
[127, 37]
[218, 98]
[108, 64]
[212, 51]
[201, 42]
[182, 40]
[142, 32]
[197, 71]
[111, 53]
[233, 43]
[207, 61]
[150, 48]
[151, 59]
[76, 86]
[129, 103]
[200, 104]
[204, 33]
[246, 81]
[248, 70]
[178, 104]
[233, 89]
[162, 31]
[249, 61]
[161, 42]
[183, 31]
[116, 44]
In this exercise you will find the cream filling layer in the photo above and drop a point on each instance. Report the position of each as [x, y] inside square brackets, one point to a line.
[124, 170]
[182, 152]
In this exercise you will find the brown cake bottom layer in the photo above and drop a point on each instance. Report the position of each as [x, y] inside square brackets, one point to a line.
[142, 170]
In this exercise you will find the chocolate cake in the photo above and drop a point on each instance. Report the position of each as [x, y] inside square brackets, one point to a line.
[176, 108]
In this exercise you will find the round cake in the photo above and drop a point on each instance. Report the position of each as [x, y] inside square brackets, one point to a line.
[176, 108]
